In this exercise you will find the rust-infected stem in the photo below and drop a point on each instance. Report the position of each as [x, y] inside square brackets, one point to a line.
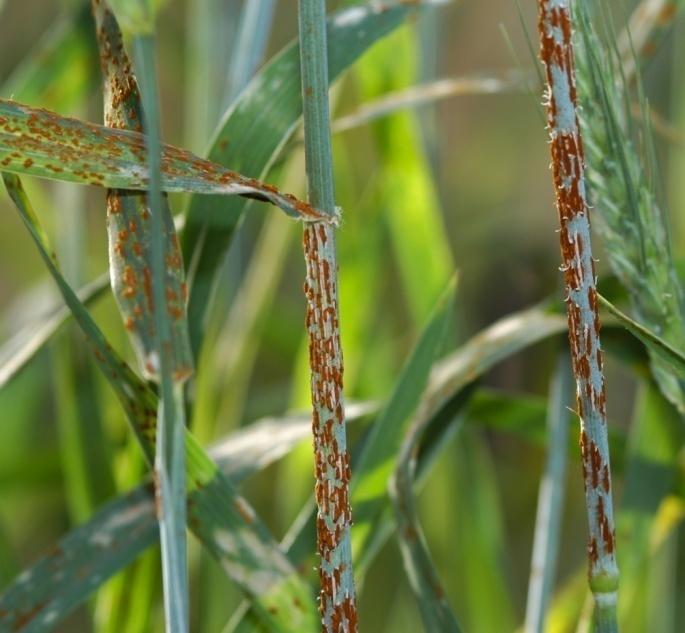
[334, 518]
[568, 166]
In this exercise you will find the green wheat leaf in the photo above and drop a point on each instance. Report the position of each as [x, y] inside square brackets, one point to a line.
[450, 377]
[125, 527]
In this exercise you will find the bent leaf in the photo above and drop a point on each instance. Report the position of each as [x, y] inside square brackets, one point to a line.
[377, 461]
[449, 378]
[41, 143]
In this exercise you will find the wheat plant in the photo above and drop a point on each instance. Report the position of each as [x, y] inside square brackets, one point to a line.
[177, 452]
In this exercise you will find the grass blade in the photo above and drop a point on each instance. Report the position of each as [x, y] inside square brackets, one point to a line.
[43, 594]
[556, 51]
[448, 380]
[151, 253]
[40, 143]
[550, 499]
[435, 610]
[338, 603]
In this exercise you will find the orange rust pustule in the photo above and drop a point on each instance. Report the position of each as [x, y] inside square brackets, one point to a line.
[332, 460]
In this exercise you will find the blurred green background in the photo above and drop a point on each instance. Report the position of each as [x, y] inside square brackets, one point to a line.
[459, 185]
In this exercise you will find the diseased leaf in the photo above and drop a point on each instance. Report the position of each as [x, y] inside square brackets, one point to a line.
[136, 397]
[129, 225]
[125, 527]
[40, 143]
[50, 589]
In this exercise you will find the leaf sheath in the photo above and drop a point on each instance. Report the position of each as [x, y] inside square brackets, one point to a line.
[557, 55]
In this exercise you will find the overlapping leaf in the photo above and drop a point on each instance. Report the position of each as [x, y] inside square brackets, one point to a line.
[129, 223]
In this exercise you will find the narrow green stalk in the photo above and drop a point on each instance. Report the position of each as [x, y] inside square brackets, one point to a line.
[338, 601]
[550, 500]
[170, 453]
[556, 51]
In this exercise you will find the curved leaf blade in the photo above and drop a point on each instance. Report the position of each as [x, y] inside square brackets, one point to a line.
[130, 224]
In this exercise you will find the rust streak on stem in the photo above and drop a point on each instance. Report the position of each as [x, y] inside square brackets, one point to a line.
[332, 460]
[568, 166]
